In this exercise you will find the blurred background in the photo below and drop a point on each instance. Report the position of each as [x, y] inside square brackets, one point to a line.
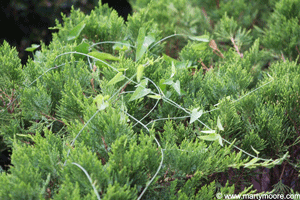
[26, 22]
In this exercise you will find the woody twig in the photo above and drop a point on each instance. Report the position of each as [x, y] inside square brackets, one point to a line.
[236, 47]
[214, 46]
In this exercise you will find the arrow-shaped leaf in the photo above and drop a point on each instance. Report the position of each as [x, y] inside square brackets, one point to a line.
[75, 32]
[195, 115]
[210, 137]
[176, 86]
[32, 48]
[139, 72]
[117, 78]
[220, 127]
[140, 91]
[140, 50]
[83, 47]
[143, 42]
[103, 56]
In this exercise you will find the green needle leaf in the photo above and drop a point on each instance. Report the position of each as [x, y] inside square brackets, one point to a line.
[257, 152]
[251, 163]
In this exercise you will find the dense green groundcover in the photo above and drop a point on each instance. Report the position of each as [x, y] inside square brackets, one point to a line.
[186, 100]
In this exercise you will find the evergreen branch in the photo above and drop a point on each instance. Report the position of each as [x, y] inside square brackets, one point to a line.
[162, 157]
[90, 179]
[53, 118]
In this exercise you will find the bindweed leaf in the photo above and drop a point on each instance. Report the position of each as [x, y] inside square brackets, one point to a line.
[143, 42]
[154, 96]
[201, 38]
[176, 86]
[75, 32]
[173, 69]
[32, 48]
[139, 72]
[140, 49]
[209, 131]
[220, 127]
[83, 47]
[117, 78]
[195, 115]
[168, 82]
[140, 91]
[210, 137]
[103, 56]
[121, 47]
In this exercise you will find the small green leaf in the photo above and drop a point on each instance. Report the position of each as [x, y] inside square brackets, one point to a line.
[210, 137]
[161, 85]
[154, 96]
[103, 56]
[117, 78]
[32, 48]
[75, 32]
[83, 47]
[140, 50]
[183, 64]
[173, 69]
[176, 86]
[168, 82]
[169, 59]
[143, 42]
[220, 127]
[140, 91]
[139, 73]
[121, 47]
[101, 101]
[209, 131]
[195, 115]
[202, 38]
[220, 140]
